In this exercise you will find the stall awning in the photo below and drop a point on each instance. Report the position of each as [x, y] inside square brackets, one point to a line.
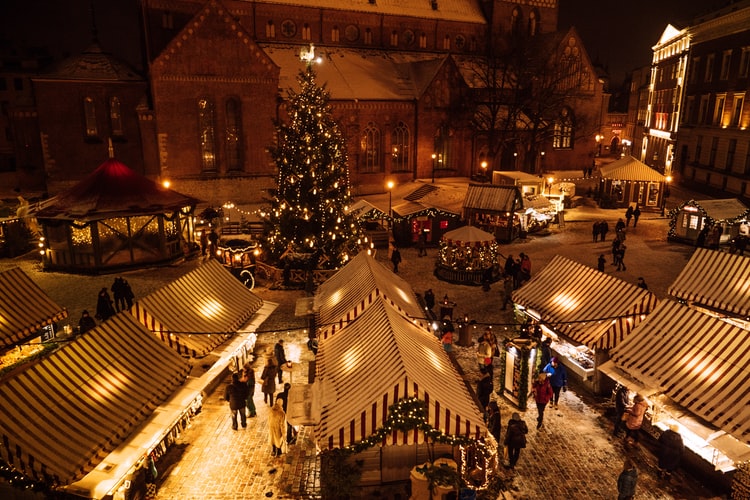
[199, 311]
[719, 280]
[63, 414]
[24, 308]
[346, 294]
[628, 168]
[492, 198]
[698, 361]
[585, 305]
[377, 360]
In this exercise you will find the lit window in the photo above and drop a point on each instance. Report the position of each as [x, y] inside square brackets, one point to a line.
[115, 118]
[563, 131]
[423, 41]
[371, 149]
[335, 34]
[708, 75]
[207, 135]
[368, 36]
[270, 30]
[306, 32]
[400, 148]
[233, 136]
[744, 63]
[726, 60]
[739, 102]
[89, 115]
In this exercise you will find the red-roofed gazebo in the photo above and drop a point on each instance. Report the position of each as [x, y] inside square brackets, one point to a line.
[115, 219]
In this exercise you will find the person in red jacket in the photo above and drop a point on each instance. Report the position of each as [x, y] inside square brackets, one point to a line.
[542, 392]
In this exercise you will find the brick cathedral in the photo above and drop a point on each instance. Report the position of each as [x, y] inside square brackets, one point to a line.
[411, 84]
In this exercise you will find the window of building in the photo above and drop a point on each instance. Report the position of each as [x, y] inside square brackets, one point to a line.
[473, 44]
[726, 61]
[400, 148]
[371, 149]
[694, 70]
[447, 42]
[394, 38]
[744, 63]
[719, 109]
[739, 102]
[714, 149]
[335, 34]
[703, 110]
[270, 30]
[115, 116]
[233, 135]
[368, 36]
[423, 41]
[562, 137]
[207, 135]
[89, 116]
[167, 20]
[689, 110]
[698, 149]
[709, 74]
[730, 154]
[515, 22]
[533, 22]
[306, 32]
[460, 42]
[440, 159]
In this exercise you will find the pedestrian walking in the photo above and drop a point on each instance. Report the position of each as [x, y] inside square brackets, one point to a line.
[422, 243]
[628, 215]
[541, 390]
[277, 428]
[484, 390]
[213, 243]
[429, 299]
[525, 267]
[627, 480]
[600, 263]
[507, 291]
[621, 406]
[484, 354]
[280, 355]
[86, 322]
[446, 339]
[118, 293]
[395, 259]
[558, 379]
[104, 308]
[236, 394]
[642, 283]
[636, 216]
[621, 257]
[515, 438]
[204, 243]
[546, 351]
[671, 448]
[291, 433]
[268, 381]
[129, 295]
[634, 419]
[248, 378]
[493, 421]
[603, 229]
[595, 231]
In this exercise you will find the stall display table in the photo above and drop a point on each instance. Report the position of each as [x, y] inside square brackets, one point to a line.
[420, 488]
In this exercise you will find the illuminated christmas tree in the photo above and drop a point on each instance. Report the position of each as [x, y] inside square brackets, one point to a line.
[308, 210]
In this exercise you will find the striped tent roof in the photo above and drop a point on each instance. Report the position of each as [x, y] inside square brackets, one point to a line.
[698, 361]
[344, 296]
[359, 386]
[468, 236]
[715, 279]
[587, 306]
[24, 308]
[199, 311]
[68, 411]
[628, 168]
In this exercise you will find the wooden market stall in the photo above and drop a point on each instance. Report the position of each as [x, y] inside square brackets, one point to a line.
[585, 312]
[628, 181]
[696, 216]
[496, 210]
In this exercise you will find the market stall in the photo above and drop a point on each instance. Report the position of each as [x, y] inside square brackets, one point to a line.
[496, 210]
[468, 256]
[629, 181]
[695, 216]
[585, 312]
[702, 388]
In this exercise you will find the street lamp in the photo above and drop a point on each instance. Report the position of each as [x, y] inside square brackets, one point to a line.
[434, 156]
[390, 211]
[599, 144]
[549, 184]
[484, 170]
[665, 194]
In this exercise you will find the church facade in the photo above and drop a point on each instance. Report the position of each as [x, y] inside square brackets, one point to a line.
[411, 84]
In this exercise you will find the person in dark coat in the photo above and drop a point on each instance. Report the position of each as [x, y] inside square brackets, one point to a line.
[236, 394]
[621, 257]
[515, 438]
[636, 215]
[86, 322]
[642, 283]
[118, 293]
[621, 406]
[558, 378]
[546, 350]
[395, 259]
[104, 309]
[291, 434]
[248, 377]
[268, 381]
[603, 229]
[600, 263]
[484, 389]
[595, 231]
[129, 295]
[628, 215]
[280, 354]
[429, 299]
[493, 420]
[670, 451]
[627, 480]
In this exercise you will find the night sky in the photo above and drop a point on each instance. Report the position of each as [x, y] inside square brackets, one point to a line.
[617, 34]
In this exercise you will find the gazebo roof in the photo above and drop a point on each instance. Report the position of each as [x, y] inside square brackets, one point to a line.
[112, 190]
[468, 235]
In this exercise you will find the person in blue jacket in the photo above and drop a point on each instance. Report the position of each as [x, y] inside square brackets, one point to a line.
[558, 378]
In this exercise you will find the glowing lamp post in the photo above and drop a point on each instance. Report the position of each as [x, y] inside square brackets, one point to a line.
[434, 156]
[550, 180]
[390, 185]
[484, 170]
[665, 194]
